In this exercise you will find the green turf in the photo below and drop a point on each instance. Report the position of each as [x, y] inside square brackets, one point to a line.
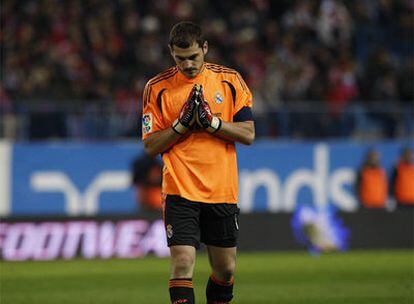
[369, 277]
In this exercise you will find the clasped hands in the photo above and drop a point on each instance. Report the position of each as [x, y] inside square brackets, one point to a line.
[196, 112]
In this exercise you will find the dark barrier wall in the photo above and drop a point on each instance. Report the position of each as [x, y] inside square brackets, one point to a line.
[37, 239]
[369, 229]
[381, 229]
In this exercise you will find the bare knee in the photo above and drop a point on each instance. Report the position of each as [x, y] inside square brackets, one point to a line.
[223, 262]
[182, 265]
[224, 271]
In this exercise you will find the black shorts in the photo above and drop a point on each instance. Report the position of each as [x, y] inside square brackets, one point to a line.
[189, 223]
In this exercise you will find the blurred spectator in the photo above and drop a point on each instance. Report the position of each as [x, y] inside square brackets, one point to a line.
[402, 179]
[334, 23]
[371, 184]
[406, 81]
[343, 85]
[146, 179]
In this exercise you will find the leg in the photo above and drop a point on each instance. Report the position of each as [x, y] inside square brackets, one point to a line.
[222, 262]
[182, 267]
[181, 224]
[219, 231]
[220, 284]
[182, 261]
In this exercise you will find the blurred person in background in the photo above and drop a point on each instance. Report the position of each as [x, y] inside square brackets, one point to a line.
[371, 184]
[146, 179]
[402, 179]
[193, 114]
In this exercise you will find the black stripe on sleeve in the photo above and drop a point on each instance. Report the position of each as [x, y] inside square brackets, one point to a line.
[232, 89]
[244, 114]
[159, 100]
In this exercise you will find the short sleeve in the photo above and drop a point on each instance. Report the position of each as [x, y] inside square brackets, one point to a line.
[152, 120]
[244, 97]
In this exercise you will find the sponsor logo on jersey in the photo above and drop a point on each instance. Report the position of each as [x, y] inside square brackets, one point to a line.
[146, 123]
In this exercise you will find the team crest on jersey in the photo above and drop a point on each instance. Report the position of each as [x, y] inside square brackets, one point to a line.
[218, 98]
[146, 123]
[169, 231]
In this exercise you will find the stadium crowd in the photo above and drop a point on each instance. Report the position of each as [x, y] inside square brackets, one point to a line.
[289, 52]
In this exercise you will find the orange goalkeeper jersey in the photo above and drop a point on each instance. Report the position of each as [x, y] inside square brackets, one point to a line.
[200, 167]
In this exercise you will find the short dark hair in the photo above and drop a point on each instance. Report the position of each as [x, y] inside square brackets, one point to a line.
[185, 33]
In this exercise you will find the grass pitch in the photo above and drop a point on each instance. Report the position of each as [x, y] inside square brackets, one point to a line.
[369, 277]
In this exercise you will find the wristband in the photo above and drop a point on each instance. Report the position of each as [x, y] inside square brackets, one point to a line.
[179, 128]
[215, 125]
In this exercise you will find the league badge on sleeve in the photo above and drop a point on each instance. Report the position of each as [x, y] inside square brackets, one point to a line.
[146, 123]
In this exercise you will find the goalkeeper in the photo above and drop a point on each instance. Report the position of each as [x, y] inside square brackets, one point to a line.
[193, 113]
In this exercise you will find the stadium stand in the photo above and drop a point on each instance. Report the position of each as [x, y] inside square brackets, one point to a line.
[317, 69]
